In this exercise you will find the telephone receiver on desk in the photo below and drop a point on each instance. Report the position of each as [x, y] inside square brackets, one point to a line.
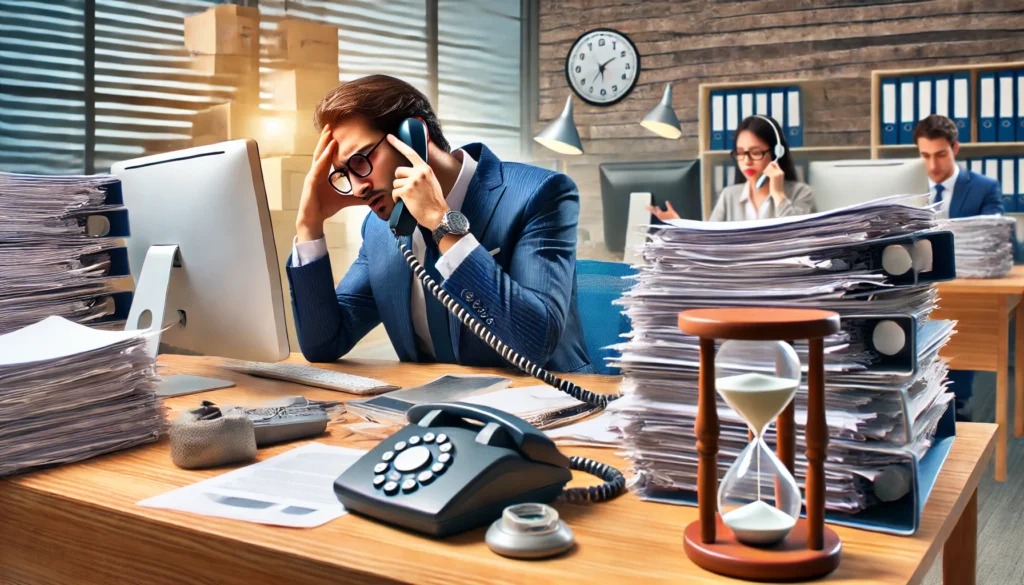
[457, 466]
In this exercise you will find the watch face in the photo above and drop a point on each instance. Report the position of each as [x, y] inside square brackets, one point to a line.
[602, 66]
[457, 223]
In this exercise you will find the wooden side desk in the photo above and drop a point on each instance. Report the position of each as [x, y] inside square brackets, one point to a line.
[79, 524]
[983, 309]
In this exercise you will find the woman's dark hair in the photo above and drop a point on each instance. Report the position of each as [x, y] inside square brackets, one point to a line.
[762, 128]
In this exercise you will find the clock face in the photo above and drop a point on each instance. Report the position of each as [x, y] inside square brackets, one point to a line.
[602, 66]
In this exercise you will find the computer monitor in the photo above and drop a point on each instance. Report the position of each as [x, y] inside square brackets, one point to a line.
[840, 183]
[677, 181]
[202, 253]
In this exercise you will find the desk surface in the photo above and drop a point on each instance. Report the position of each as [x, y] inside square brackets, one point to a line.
[79, 523]
[1012, 283]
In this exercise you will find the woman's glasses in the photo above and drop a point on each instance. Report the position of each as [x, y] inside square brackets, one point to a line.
[358, 164]
[753, 153]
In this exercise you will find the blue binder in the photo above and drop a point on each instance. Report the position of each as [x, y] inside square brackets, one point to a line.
[717, 121]
[960, 104]
[794, 118]
[987, 108]
[943, 102]
[890, 111]
[777, 105]
[1020, 106]
[732, 118]
[1020, 183]
[1008, 183]
[1007, 101]
[761, 102]
[908, 109]
[746, 104]
[925, 96]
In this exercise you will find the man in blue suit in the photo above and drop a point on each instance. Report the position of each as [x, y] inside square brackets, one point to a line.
[499, 237]
[962, 193]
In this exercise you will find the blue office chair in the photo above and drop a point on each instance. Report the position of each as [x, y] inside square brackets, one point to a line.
[598, 284]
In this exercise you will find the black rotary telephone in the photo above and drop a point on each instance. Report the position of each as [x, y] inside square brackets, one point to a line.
[457, 466]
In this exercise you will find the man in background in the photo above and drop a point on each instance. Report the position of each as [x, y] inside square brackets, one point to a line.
[962, 193]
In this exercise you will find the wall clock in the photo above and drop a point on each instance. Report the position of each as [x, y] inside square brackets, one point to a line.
[602, 67]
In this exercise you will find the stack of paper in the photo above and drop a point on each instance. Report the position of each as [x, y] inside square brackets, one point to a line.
[391, 407]
[542, 406]
[69, 392]
[57, 255]
[877, 416]
[984, 245]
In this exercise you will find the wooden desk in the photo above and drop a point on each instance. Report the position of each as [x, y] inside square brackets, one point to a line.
[983, 308]
[79, 523]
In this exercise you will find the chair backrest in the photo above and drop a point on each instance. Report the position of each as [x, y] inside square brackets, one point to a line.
[598, 285]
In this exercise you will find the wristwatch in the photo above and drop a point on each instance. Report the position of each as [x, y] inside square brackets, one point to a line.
[453, 222]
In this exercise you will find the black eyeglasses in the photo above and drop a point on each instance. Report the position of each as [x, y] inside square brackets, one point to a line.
[358, 164]
[753, 153]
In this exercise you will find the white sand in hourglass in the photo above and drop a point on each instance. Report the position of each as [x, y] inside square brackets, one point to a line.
[758, 398]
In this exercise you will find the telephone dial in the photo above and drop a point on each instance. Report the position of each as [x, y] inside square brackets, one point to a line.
[457, 466]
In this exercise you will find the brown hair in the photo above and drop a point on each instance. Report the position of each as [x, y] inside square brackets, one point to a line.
[385, 101]
[936, 126]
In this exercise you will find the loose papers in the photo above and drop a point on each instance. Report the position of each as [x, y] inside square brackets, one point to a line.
[984, 245]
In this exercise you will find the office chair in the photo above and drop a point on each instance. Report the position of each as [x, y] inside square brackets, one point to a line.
[598, 284]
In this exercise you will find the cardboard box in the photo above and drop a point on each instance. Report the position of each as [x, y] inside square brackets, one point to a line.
[287, 133]
[301, 88]
[284, 177]
[304, 43]
[224, 29]
[225, 64]
[230, 121]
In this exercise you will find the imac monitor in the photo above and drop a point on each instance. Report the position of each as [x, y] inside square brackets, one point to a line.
[677, 181]
[202, 252]
[840, 183]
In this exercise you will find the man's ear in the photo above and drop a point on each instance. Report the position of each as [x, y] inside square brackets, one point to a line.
[956, 148]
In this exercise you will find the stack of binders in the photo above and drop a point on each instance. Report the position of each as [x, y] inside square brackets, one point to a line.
[1001, 106]
[873, 263]
[1008, 171]
[59, 252]
[907, 99]
[730, 107]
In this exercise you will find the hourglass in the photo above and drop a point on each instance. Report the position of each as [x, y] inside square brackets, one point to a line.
[755, 531]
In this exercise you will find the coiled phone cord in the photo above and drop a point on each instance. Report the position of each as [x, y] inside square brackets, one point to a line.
[615, 483]
[511, 355]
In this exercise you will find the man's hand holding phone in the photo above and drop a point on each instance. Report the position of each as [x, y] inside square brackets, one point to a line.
[320, 200]
[418, 187]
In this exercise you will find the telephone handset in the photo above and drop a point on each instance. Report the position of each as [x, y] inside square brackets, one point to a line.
[414, 133]
[456, 466]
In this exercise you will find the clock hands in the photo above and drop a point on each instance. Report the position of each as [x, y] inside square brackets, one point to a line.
[600, 69]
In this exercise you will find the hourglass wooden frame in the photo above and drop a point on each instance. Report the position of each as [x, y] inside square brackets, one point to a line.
[811, 549]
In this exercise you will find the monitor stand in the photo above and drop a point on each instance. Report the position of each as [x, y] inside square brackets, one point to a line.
[147, 313]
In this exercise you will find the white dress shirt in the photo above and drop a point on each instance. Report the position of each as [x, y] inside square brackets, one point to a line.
[947, 193]
[750, 213]
[305, 252]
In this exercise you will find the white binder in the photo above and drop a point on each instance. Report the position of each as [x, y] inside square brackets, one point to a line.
[942, 96]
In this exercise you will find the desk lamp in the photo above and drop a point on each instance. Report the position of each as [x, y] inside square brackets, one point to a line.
[662, 119]
[561, 135]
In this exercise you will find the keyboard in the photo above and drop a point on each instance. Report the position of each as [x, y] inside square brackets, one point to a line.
[312, 376]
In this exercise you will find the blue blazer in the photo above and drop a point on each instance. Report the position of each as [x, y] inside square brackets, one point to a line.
[528, 289]
[975, 194]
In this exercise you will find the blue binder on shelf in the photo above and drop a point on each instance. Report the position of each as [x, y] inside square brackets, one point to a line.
[794, 119]
[777, 105]
[987, 108]
[908, 109]
[746, 104]
[1008, 183]
[761, 102]
[960, 104]
[925, 95]
[1020, 183]
[717, 121]
[890, 112]
[942, 102]
[976, 165]
[732, 118]
[1020, 106]
[1007, 101]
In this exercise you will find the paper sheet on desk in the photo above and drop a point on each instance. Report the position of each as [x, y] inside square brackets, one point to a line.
[294, 489]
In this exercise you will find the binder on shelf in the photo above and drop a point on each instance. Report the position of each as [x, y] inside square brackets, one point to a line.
[1020, 184]
[987, 107]
[908, 105]
[963, 164]
[890, 107]
[924, 96]
[732, 115]
[717, 121]
[794, 126]
[777, 106]
[992, 168]
[1020, 106]
[960, 105]
[746, 104]
[761, 102]
[718, 181]
[730, 175]
[941, 102]
[976, 165]
[1007, 103]
[1008, 184]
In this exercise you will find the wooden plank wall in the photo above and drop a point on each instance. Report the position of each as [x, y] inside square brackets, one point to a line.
[687, 42]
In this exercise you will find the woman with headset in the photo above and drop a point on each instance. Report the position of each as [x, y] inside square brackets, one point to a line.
[771, 189]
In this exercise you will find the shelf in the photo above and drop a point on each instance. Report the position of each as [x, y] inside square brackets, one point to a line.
[757, 83]
[967, 149]
[948, 69]
[801, 149]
